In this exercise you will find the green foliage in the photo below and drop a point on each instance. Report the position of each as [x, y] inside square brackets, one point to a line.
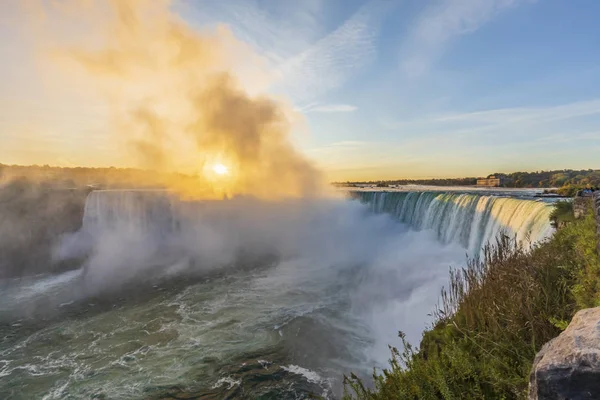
[581, 240]
[562, 178]
[568, 181]
[562, 213]
[559, 323]
[569, 190]
[493, 319]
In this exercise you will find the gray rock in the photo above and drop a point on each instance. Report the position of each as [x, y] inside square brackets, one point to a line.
[568, 366]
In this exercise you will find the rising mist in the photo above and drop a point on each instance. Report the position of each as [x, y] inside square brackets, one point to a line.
[175, 98]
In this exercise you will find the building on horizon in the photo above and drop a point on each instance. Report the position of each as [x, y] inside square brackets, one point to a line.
[491, 181]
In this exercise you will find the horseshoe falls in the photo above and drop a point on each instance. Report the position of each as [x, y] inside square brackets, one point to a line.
[240, 298]
[472, 220]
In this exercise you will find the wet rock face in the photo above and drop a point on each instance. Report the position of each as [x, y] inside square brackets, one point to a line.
[568, 367]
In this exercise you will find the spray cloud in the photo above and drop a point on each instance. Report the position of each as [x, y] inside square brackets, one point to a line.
[176, 101]
[175, 97]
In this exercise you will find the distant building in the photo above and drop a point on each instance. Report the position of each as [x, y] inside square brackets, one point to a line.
[491, 181]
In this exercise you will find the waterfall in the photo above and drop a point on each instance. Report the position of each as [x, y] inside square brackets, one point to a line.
[471, 220]
[468, 219]
[132, 210]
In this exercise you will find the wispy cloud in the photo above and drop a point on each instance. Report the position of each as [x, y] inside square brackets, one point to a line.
[277, 30]
[309, 57]
[343, 143]
[524, 114]
[442, 23]
[332, 60]
[503, 139]
[501, 117]
[472, 143]
[329, 108]
[571, 138]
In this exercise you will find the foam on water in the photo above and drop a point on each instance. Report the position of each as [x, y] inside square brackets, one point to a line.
[309, 375]
[230, 382]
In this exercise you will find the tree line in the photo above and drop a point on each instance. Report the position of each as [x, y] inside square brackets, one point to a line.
[538, 179]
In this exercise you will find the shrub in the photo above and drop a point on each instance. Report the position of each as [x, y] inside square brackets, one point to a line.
[562, 213]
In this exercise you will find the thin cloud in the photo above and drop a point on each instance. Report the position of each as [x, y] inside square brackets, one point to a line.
[570, 138]
[277, 32]
[521, 114]
[332, 60]
[500, 117]
[442, 23]
[308, 59]
[471, 134]
[330, 108]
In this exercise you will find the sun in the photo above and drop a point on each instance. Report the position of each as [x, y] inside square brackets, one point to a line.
[220, 169]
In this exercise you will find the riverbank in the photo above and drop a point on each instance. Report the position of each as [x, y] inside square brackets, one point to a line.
[484, 339]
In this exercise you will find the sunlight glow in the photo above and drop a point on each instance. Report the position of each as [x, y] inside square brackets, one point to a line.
[220, 169]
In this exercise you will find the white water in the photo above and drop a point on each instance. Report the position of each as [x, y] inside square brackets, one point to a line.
[308, 289]
[133, 210]
[472, 220]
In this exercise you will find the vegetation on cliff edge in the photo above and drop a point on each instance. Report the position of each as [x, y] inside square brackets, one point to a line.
[493, 319]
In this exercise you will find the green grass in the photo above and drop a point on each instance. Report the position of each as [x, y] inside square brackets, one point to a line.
[492, 320]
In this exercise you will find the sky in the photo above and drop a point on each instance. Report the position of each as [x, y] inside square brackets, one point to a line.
[388, 88]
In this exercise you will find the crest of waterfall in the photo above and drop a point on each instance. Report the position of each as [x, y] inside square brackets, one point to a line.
[468, 219]
[133, 210]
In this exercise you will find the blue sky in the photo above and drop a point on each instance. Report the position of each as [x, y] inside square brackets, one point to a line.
[412, 88]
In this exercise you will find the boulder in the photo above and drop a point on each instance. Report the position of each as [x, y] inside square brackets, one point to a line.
[568, 366]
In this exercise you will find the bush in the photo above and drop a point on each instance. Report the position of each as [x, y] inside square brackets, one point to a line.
[562, 213]
[569, 190]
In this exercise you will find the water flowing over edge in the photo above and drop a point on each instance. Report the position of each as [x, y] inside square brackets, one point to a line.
[471, 220]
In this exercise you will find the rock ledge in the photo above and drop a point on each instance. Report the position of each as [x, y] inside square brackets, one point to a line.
[568, 366]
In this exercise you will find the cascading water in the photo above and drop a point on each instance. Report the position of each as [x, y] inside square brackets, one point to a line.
[246, 298]
[137, 210]
[468, 219]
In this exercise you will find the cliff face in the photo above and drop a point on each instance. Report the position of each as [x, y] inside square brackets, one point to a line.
[568, 367]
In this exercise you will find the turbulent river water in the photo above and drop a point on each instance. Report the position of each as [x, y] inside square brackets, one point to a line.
[240, 298]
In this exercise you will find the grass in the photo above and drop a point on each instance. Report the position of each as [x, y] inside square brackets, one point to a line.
[492, 320]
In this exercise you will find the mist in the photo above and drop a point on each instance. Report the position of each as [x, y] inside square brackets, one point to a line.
[180, 99]
[179, 102]
[391, 275]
